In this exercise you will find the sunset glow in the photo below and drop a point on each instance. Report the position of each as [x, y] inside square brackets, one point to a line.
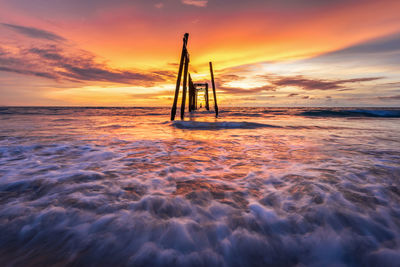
[124, 53]
[226, 133]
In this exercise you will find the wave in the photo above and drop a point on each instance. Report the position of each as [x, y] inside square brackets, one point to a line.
[75, 195]
[5, 112]
[352, 113]
[83, 111]
[199, 125]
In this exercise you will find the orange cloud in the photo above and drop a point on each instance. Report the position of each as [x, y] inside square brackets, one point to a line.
[139, 43]
[198, 3]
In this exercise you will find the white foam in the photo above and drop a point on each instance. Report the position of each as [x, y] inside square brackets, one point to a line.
[79, 193]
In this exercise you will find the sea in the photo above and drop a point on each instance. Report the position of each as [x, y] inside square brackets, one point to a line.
[254, 187]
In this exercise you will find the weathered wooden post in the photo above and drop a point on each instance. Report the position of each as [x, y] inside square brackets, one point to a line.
[191, 89]
[195, 99]
[178, 80]
[213, 86]
[185, 76]
[206, 97]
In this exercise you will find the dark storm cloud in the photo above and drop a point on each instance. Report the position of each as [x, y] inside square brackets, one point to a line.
[34, 32]
[55, 63]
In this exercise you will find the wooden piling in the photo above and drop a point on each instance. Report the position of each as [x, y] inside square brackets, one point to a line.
[191, 89]
[192, 97]
[195, 99]
[178, 80]
[213, 86]
[206, 98]
[185, 76]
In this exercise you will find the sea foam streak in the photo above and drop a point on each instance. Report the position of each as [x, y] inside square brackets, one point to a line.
[105, 187]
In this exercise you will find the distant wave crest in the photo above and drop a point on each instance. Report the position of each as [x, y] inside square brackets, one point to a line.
[352, 113]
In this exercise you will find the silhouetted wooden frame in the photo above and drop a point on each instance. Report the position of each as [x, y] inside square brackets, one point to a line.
[187, 82]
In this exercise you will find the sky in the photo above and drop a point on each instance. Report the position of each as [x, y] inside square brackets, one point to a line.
[264, 52]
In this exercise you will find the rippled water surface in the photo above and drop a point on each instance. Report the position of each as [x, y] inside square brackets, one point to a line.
[255, 187]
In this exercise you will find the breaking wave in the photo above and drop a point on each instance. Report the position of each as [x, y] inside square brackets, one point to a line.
[124, 190]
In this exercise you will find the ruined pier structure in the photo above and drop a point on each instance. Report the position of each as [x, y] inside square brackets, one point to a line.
[194, 88]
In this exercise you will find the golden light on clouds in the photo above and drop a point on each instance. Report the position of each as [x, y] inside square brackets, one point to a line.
[103, 54]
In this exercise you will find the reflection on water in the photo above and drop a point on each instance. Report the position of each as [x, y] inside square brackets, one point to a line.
[255, 187]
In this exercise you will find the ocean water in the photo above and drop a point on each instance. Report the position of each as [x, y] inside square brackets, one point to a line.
[255, 187]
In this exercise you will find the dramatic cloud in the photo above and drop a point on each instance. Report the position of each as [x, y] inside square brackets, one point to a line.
[306, 84]
[274, 82]
[29, 72]
[395, 97]
[34, 32]
[243, 91]
[316, 84]
[229, 77]
[381, 45]
[131, 43]
[198, 3]
[55, 63]
[379, 51]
